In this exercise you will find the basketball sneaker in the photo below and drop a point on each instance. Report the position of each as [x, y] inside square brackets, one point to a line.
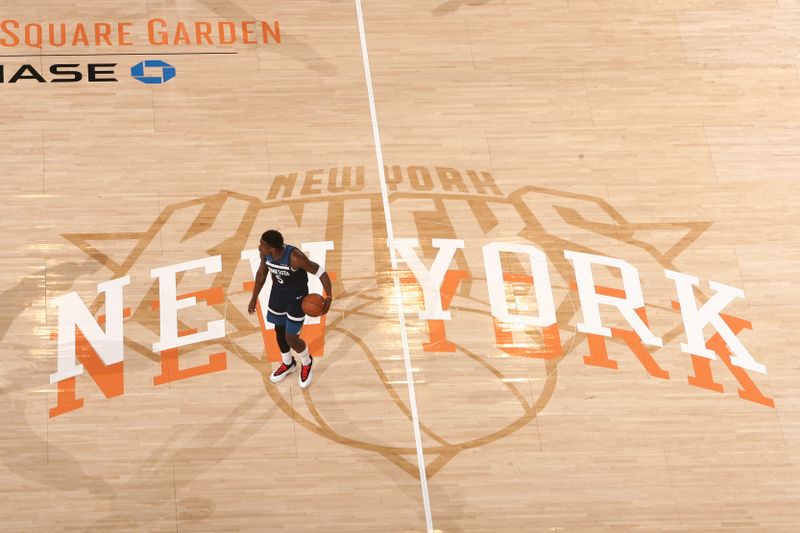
[282, 371]
[305, 374]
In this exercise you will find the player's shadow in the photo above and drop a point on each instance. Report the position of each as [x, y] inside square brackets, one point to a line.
[61, 469]
[21, 296]
[28, 455]
[215, 442]
[451, 6]
[290, 46]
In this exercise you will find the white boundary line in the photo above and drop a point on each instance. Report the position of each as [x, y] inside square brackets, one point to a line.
[412, 397]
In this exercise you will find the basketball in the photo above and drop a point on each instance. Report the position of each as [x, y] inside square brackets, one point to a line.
[313, 304]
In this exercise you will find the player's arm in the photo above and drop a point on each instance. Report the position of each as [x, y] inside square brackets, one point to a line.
[261, 278]
[299, 260]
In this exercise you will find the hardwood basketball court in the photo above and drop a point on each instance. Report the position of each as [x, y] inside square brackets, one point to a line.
[148, 134]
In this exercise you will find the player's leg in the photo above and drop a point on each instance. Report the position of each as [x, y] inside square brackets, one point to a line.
[276, 315]
[301, 349]
[294, 322]
[280, 336]
[295, 342]
[288, 364]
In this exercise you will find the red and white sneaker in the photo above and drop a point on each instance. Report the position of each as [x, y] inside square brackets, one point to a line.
[282, 371]
[306, 374]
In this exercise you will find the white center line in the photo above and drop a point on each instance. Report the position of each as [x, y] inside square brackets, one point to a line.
[412, 397]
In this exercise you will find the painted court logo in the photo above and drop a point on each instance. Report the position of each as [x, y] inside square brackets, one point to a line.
[153, 32]
[148, 71]
[494, 286]
[59, 73]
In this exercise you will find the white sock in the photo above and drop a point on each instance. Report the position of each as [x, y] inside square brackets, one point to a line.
[286, 358]
[304, 357]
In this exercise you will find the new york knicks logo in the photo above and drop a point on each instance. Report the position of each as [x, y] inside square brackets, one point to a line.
[453, 226]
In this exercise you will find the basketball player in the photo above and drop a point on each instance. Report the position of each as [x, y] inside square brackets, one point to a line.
[289, 268]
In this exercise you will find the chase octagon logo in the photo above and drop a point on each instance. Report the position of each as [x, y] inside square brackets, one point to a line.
[153, 71]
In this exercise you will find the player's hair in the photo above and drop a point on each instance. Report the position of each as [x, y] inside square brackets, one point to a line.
[273, 238]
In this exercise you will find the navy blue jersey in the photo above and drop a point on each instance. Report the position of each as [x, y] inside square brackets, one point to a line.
[284, 277]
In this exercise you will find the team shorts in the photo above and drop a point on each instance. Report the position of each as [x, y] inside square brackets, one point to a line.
[285, 309]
